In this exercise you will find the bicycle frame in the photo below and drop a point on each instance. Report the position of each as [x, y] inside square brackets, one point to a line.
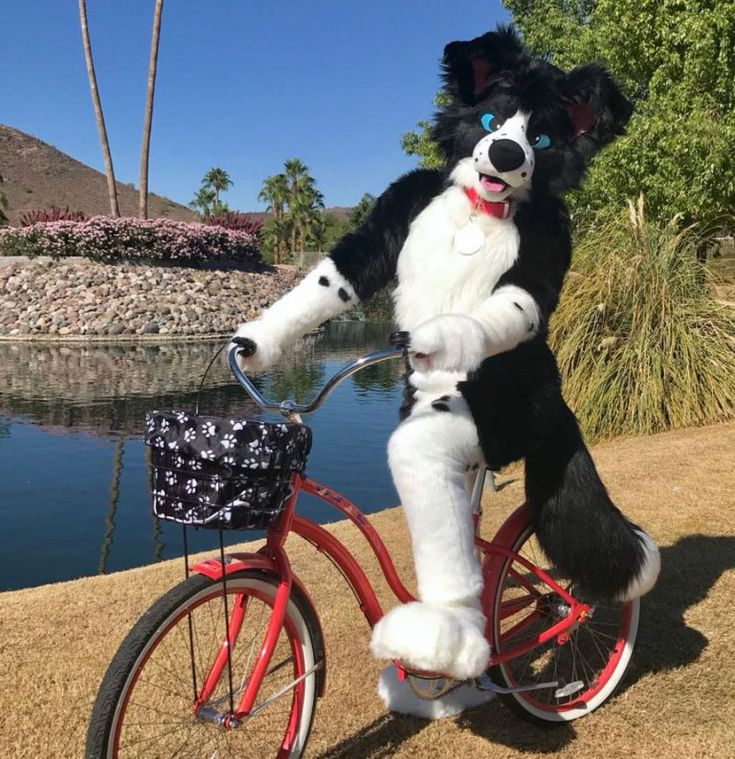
[272, 557]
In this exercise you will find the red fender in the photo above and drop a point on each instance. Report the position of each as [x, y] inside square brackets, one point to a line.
[236, 562]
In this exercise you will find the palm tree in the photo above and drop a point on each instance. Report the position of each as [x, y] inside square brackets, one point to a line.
[297, 173]
[202, 202]
[3, 205]
[148, 117]
[107, 157]
[218, 180]
[274, 193]
[308, 213]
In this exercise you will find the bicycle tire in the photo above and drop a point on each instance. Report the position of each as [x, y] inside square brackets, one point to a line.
[597, 653]
[144, 646]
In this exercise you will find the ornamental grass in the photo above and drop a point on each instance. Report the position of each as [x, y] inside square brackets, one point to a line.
[642, 342]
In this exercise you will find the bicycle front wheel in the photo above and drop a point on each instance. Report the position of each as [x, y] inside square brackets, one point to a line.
[145, 703]
[588, 665]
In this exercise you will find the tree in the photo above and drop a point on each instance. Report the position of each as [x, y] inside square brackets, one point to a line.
[3, 205]
[148, 117]
[202, 202]
[361, 210]
[297, 174]
[298, 211]
[274, 192]
[102, 130]
[218, 180]
[676, 61]
[418, 142]
[206, 201]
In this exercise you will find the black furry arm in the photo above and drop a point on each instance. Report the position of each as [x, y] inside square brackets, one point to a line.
[543, 256]
[367, 257]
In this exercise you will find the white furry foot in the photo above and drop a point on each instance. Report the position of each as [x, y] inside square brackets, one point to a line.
[650, 568]
[399, 698]
[446, 639]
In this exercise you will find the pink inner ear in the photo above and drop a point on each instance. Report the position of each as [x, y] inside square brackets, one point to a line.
[582, 116]
[480, 72]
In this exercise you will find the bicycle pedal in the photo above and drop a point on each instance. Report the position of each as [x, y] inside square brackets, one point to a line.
[569, 689]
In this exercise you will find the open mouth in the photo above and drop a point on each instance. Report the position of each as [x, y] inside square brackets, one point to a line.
[492, 184]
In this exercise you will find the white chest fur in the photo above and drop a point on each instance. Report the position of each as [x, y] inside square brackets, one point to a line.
[434, 277]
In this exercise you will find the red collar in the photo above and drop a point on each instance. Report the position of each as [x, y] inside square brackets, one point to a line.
[500, 209]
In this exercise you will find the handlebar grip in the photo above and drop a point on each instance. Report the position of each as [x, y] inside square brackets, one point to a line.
[400, 339]
[246, 346]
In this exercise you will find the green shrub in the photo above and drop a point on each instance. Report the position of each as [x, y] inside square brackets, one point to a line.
[642, 343]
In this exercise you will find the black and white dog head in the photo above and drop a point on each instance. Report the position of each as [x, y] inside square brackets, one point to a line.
[515, 121]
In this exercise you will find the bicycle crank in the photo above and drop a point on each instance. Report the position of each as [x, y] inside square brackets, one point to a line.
[430, 688]
[563, 690]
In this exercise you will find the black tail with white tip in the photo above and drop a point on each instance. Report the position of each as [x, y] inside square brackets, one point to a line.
[579, 528]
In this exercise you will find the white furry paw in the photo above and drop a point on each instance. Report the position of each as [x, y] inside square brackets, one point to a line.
[399, 698]
[651, 566]
[446, 639]
[267, 351]
[450, 342]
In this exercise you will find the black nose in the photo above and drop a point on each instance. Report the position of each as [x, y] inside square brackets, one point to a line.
[506, 155]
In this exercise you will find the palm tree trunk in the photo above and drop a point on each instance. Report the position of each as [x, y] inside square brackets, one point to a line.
[148, 118]
[109, 173]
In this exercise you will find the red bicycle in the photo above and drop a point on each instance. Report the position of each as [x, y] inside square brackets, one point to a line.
[231, 661]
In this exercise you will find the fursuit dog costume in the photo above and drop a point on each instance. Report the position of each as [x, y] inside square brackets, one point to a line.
[480, 250]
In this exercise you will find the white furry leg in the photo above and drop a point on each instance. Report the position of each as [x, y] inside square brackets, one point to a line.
[429, 455]
[398, 697]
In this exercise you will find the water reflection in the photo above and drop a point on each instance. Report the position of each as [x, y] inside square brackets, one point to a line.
[75, 474]
[106, 389]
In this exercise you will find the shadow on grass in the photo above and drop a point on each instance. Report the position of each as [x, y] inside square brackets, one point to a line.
[689, 569]
[381, 737]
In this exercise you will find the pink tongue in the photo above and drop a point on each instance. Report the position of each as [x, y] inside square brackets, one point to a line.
[492, 185]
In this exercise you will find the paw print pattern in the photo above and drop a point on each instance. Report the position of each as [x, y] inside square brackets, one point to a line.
[215, 472]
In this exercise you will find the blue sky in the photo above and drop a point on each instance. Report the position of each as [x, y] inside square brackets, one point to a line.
[242, 85]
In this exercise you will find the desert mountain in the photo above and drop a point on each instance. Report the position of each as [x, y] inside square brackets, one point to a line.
[38, 175]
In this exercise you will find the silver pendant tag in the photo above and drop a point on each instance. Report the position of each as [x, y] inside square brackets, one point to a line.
[469, 239]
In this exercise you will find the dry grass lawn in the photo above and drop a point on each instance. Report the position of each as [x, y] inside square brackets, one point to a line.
[678, 698]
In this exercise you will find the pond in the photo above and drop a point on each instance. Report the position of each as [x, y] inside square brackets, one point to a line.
[74, 493]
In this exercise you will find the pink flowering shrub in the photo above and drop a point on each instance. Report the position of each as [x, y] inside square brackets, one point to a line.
[103, 238]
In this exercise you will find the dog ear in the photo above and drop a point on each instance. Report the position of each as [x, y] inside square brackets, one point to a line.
[597, 108]
[469, 66]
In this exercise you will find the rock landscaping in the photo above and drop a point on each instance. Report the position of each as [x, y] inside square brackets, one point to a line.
[85, 300]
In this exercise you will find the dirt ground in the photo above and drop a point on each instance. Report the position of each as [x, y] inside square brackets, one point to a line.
[677, 700]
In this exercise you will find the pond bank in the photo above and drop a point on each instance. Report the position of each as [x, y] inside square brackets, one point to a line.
[81, 300]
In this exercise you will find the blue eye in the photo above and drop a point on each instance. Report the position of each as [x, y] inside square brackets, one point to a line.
[541, 142]
[489, 122]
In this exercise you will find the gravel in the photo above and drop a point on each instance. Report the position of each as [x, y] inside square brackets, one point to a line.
[83, 300]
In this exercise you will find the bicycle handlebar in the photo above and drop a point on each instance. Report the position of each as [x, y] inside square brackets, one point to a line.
[289, 407]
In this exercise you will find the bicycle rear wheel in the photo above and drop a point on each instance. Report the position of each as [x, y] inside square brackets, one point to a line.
[594, 657]
[145, 703]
